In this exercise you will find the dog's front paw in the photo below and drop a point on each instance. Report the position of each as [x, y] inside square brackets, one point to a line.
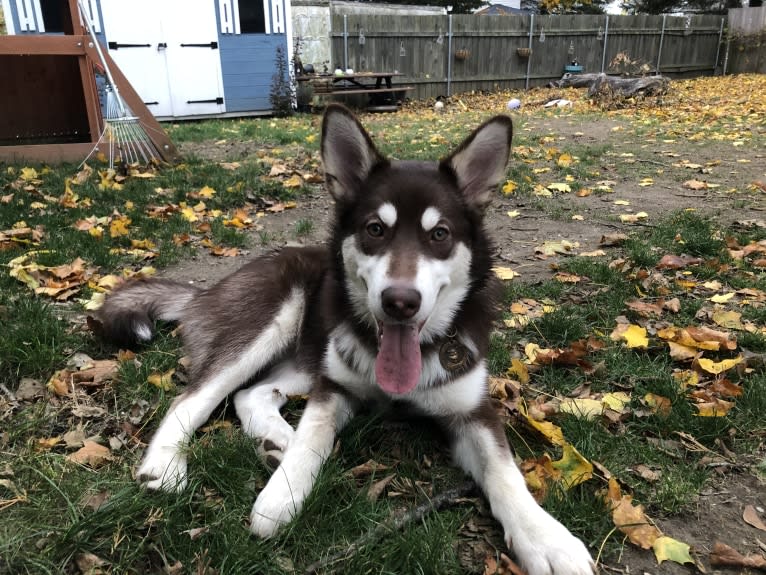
[163, 469]
[550, 549]
[273, 508]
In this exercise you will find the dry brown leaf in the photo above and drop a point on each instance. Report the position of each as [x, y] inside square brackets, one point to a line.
[751, 517]
[725, 556]
[91, 454]
[631, 519]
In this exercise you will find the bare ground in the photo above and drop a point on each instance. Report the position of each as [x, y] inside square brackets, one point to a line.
[717, 513]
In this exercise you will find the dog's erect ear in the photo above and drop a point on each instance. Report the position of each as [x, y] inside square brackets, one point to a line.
[348, 153]
[479, 163]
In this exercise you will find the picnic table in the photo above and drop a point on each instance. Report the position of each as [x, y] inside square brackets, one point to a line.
[384, 94]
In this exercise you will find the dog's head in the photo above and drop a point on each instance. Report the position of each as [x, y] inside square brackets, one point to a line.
[407, 234]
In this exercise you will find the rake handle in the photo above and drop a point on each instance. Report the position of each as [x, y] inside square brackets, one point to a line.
[89, 25]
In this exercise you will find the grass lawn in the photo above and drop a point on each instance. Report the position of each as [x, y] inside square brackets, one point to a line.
[630, 376]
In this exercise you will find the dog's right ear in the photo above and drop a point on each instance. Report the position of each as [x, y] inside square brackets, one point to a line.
[348, 153]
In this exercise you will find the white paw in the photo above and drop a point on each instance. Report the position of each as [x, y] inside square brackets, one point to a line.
[273, 508]
[274, 435]
[548, 548]
[163, 468]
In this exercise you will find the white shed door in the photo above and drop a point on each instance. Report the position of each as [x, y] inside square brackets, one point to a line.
[168, 49]
[132, 34]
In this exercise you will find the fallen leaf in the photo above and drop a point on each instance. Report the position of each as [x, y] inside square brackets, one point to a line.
[631, 519]
[715, 368]
[751, 517]
[504, 273]
[91, 454]
[669, 549]
[633, 335]
[573, 467]
[162, 380]
[725, 556]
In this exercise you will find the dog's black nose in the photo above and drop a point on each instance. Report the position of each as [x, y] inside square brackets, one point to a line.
[401, 303]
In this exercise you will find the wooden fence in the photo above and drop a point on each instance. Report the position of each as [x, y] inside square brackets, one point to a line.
[443, 55]
[747, 40]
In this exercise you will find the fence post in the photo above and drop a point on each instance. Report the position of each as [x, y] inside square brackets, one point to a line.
[662, 39]
[606, 41]
[529, 58]
[449, 55]
[718, 50]
[345, 42]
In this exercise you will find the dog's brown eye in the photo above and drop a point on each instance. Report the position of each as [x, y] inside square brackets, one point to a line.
[439, 234]
[375, 229]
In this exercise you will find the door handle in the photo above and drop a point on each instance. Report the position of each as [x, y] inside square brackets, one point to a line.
[211, 45]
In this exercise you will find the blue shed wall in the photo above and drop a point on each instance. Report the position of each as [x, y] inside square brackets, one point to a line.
[248, 66]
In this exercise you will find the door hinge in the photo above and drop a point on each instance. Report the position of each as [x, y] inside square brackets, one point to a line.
[118, 45]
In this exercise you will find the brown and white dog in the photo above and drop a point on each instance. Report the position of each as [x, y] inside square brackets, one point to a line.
[397, 306]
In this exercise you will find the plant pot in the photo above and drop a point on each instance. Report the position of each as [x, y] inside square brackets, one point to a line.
[462, 54]
[524, 52]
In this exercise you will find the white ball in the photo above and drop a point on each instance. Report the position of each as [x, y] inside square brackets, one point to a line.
[439, 106]
[513, 104]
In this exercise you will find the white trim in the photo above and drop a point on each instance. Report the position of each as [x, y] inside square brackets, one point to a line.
[9, 27]
[95, 18]
[25, 16]
[39, 16]
[277, 17]
[267, 16]
[227, 16]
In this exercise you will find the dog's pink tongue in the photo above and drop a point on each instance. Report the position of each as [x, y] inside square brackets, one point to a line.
[398, 365]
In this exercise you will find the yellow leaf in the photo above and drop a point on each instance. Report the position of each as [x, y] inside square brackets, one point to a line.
[565, 160]
[206, 192]
[574, 468]
[633, 218]
[514, 214]
[559, 187]
[510, 187]
[669, 549]
[658, 403]
[547, 429]
[722, 298]
[728, 319]
[582, 408]
[715, 408]
[294, 181]
[504, 273]
[646, 182]
[519, 369]
[119, 227]
[616, 400]
[162, 380]
[633, 335]
[621, 203]
[189, 215]
[28, 174]
[715, 368]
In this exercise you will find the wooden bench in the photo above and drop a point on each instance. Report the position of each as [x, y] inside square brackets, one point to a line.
[381, 92]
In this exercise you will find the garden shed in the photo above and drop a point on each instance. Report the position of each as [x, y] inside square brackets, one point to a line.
[185, 58]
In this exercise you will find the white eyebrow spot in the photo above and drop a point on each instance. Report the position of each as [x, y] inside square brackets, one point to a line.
[387, 214]
[430, 218]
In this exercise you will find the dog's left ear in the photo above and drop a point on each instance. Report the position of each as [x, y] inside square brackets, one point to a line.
[479, 163]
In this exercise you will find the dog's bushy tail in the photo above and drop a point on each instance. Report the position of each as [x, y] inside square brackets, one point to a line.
[128, 313]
